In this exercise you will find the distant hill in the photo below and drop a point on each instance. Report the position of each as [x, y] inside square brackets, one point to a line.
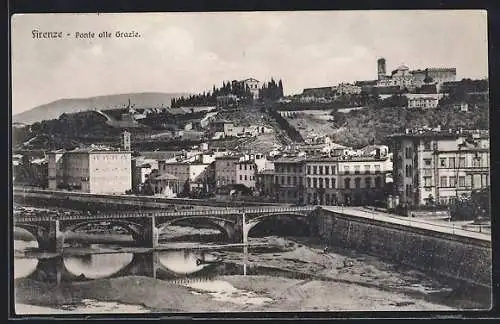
[55, 109]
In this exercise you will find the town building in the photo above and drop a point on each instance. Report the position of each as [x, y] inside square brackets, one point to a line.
[423, 101]
[222, 128]
[434, 166]
[225, 170]
[93, 170]
[245, 173]
[347, 89]
[141, 169]
[191, 172]
[404, 78]
[289, 179]
[264, 183]
[348, 180]
[322, 92]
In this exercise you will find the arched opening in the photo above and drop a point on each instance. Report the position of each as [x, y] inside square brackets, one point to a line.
[193, 229]
[24, 240]
[280, 225]
[101, 232]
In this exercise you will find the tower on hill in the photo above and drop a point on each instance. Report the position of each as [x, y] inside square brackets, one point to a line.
[381, 68]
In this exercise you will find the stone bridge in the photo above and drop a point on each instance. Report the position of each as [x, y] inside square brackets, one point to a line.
[145, 227]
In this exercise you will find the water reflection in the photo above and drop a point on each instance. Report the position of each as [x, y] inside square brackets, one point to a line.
[168, 264]
[97, 266]
[24, 267]
[185, 261]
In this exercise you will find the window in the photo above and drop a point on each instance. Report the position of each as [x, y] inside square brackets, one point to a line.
[427, 145]
[282, 180]
[245, 166]
[294, 181]
[327, 183]
[377, 168]
[356, 169]
[245, 177]
[241, 177]
[308, 169]
[333, 183]
[453, 181]
[320, 169]
[288, 180]
[476, 162]
[442, 162]
[427, 162]
[315, 170]
[347, 183]
[276, 179]
[315, 183]
[461, 162]
[333, 169]
[461, 181]
[367, 168]
[327, 170]
[308, 182]
[346, 169]
[408, 152]
[357, 183]
[442, 182]
[368, 182]
[320, 180]
[451, 162]
[300, 169]
[428, 181]
[288, 168]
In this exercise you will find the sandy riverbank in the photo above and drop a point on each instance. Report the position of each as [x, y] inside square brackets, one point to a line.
[280, 294]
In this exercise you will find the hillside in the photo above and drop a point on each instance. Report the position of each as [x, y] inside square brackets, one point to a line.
[54, 109]
[358, 128]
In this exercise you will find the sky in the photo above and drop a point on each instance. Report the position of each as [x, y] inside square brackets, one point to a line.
[190, 52]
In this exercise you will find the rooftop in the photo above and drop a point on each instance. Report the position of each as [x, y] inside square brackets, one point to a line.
[164, 176]
[449, 133]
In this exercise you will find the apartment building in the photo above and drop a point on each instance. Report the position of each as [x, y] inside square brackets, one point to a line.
[92, 170]
[289, 179]
[225, 170]
[348, 180]
[434, 166]
[245, 173]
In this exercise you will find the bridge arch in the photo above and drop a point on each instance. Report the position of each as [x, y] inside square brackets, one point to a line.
[227, 227]
[131, 227]
[304, 218]
[36, 230]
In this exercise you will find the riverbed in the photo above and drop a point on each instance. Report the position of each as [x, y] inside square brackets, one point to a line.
[102, 272]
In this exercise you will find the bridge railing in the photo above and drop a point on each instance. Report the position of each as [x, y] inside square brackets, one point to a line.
[174, 214]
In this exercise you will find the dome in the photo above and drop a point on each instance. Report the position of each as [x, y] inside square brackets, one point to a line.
[402, 67]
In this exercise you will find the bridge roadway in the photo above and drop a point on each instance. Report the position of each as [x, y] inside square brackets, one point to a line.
[250, 212]
[406, 221]
[235, 223]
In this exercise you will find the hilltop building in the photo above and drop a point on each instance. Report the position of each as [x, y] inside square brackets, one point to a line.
[253, 85]
[405, 78]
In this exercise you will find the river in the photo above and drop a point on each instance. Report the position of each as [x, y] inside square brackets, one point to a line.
[275, 273]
